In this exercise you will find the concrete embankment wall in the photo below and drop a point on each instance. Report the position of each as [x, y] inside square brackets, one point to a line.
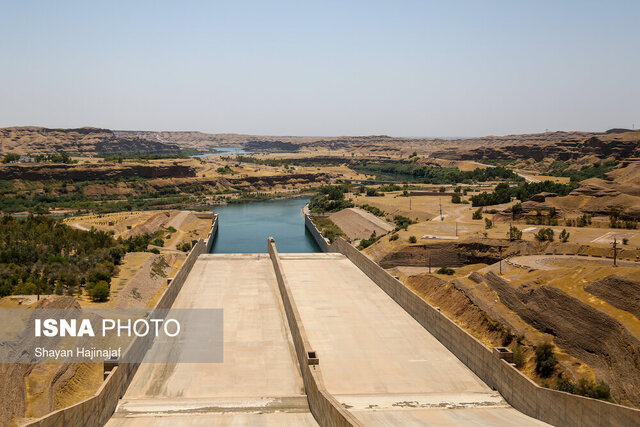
[212, 233]
[321, 241]
[551, 406]
[324, 407]
[97, 409]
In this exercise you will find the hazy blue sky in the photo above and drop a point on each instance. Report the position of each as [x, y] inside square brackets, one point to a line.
[406, 68]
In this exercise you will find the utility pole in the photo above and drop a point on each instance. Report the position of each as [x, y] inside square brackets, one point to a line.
[440, 200]
[500, 260]
[456, 228]
[429, 261]
[409, 202]
[615, 252]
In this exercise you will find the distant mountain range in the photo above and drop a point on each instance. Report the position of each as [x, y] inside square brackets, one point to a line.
[618, 143]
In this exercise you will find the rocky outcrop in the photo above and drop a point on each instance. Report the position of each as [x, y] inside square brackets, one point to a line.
[618, 146]
[455, 254]
[584, 332]
[618, 291]
[87, 141]
[62, 172]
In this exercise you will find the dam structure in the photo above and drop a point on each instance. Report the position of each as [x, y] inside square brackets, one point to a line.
[326, 338]
[377, 363]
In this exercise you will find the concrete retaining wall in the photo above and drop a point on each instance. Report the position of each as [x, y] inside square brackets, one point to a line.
[212, 233]
[97, 409]
[324, 407]
[551, 406]
[321, 241]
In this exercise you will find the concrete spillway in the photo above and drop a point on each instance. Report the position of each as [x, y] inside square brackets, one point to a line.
[258, 383]
[376, 360]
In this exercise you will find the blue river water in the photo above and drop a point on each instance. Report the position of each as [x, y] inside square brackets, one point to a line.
[244, 228]
[225, 151]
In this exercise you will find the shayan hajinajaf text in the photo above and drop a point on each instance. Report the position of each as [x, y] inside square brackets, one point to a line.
[79, 352]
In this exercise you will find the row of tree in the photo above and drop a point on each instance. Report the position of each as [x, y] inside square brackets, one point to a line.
[41, 255]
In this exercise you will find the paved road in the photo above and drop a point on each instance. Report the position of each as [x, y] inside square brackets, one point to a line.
[377, 360]
[549, 262]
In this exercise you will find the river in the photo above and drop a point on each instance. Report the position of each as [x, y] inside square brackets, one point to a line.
[244, 228]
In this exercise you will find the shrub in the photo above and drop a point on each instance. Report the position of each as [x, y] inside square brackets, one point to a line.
[515, 233]
[488, 224]
[445, 270]
[372, 192]
[592, 389]
[365, 243]
[11, 157]
[455, 198]
[327, 228]
[99, 292]
[393, 237]
[158, 242]
[565, 385]
[518, 356]
[625, 241]
[477, 214]
[224, 170]
[402, 222]
[545, 360]
[373, 210]
[564, 235]
[412, 239]
[184, 247]
[155, 250]
[544, 234]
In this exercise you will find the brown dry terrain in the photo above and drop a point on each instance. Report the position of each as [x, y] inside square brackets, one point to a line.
[32, 390]
[582, 304]
[358, 224]
[87, 141]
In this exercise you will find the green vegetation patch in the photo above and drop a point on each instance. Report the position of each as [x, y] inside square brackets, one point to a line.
[596, 170]
[410, 171]
[41, 255]
[330, 198]
[523, 192]
[327, 228]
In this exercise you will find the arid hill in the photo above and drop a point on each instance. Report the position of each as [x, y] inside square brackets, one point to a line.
[87, 141]
[619, 144]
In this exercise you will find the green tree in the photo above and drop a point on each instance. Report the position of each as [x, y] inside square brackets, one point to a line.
[564, 235]
[11, 157]
[477, 214]
[445, 270]
[545, 234]
[455, 198]
[99, 292]
[545, 360]
[515, 233]
[412, 239]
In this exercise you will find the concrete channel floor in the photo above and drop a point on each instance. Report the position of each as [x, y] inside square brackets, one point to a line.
[259, 381]
[377, 360]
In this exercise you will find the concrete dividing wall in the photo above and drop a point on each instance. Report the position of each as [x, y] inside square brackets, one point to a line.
[324, 407]
[551, 406]
[97, 409]
[321, 241]
[212, 233]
